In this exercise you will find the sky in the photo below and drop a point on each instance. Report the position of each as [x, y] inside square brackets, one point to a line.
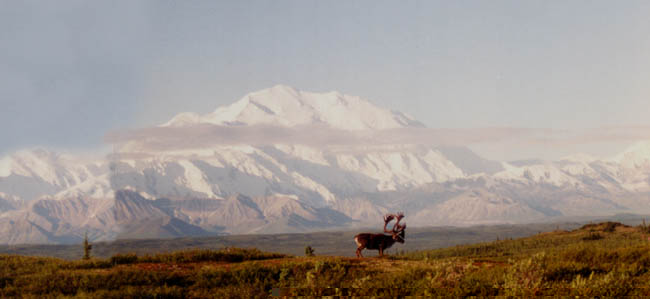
[73, 71]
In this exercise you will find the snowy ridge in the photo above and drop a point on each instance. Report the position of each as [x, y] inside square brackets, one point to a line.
[635, 156]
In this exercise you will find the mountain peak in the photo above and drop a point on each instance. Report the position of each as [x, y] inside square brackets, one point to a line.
[283, 88]
[286, 106]
[635, 155]
[29, 161]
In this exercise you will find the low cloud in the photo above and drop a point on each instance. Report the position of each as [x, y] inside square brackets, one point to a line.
[204, 135]
[613, 134]
[497, 143]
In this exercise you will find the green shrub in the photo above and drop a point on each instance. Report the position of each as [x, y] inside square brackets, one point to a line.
[610, 227]
[309, 251]
[643, 228]
[127, 258]
[230, 255]
[592, 236]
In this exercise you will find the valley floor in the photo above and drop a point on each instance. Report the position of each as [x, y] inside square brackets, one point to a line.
[606, 259]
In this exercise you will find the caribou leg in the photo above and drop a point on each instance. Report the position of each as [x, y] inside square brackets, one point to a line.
[359, 255]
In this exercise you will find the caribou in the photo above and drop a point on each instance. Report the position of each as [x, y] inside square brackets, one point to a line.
[382, 241]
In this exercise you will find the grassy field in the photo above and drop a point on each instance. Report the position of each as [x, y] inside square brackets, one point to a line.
[605, 259]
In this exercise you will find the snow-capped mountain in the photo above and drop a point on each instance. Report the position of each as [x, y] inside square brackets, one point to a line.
[216, 187]
[285, 106]
[30, 173]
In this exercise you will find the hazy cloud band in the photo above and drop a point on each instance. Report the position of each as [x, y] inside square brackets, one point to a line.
[170, 138]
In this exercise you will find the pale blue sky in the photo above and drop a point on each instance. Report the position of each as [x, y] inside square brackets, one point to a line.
[70, 71]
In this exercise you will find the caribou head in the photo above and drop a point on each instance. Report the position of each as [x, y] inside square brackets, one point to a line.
[382, 241]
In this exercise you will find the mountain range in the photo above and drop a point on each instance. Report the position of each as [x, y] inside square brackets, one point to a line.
[282, 160]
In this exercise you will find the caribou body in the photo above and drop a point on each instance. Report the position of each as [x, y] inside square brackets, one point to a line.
[382, 241]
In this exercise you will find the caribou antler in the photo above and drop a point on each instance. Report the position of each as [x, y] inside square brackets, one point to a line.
[388, 218]
[397, 227]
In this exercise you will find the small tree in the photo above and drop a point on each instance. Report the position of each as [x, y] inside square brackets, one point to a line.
[309, 251]
[87, 247]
